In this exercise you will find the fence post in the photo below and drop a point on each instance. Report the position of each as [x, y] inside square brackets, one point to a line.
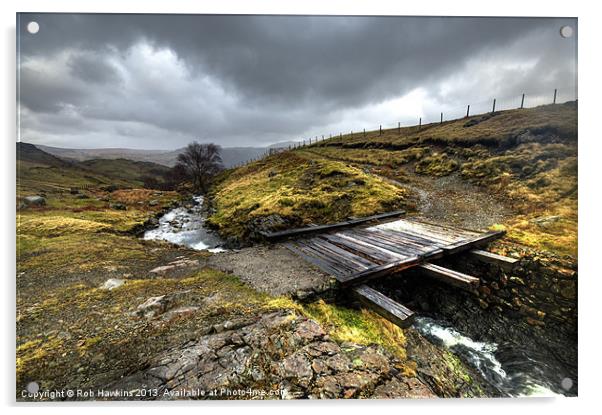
[380, 130]
[467, 111]
[555, 91]
[522, 102]
[364, 133]
[493, 110]
[441, 118]
[419, 123]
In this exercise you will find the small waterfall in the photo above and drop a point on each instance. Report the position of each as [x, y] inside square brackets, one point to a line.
[514, 374]
[186, 226]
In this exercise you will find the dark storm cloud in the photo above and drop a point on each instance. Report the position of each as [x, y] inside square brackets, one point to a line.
[91, 67]
[255, 79]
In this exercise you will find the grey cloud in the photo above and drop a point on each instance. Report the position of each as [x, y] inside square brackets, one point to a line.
[91, 67]
[278, 76]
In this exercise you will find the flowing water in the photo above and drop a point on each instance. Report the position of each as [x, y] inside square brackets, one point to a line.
[505, 367]
[186, 226]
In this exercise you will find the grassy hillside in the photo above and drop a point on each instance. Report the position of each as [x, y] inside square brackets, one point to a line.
[38, 171]
[123, 169]
[525, 159]
[294, 189]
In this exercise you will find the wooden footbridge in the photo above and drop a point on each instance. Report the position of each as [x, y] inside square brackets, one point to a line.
[357, 251]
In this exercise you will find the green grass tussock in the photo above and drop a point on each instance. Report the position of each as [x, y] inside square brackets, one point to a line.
[300, 187]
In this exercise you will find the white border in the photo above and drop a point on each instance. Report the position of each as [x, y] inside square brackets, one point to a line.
[590, 153]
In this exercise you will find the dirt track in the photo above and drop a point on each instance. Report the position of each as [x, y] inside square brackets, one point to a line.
[272, 269]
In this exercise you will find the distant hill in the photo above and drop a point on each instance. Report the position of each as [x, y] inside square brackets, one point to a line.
[38, 170]
[30, 153]
[231, 156]
[164, 157]
[125, 169]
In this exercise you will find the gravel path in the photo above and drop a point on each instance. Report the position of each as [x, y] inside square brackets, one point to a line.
[453, 201]
[272, 269]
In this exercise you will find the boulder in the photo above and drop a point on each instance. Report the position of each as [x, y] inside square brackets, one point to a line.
[118, 206]
[179, 263]
[180, 312]
[34, 201]
[266, 224]
[111, 284]
[153, 306]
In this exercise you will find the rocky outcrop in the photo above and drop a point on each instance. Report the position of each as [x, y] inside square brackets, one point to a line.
[278, 356]
[112, 283]
[179, 265]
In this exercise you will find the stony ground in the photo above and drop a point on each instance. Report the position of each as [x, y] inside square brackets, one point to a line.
[277, 356]
[255, 266]
[450, 200]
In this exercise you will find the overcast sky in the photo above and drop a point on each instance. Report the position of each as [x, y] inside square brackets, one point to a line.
[161, 81]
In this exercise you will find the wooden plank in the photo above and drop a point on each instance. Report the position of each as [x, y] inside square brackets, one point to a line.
[365, 251]
[400, 246]
[461, 232]
[455, 228]
[503, 262]
[318, 262]
[471, 243]
[379, 271]
[449, 276]
[319, 228]
[398, 239]
[421, 238]
[422, 230]
[403, 249]
[370, 245]
[341, 253]
[383, 305]
[343, 267]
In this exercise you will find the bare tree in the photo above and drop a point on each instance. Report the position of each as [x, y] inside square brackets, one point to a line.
[201, 162]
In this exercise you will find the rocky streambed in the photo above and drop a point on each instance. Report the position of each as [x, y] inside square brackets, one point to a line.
[185, 225]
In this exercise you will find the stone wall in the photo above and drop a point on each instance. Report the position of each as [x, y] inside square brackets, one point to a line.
[541, 289]
[533, 307]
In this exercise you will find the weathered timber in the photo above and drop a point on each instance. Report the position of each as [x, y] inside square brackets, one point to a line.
[358, 254]
[383, 305]
[399, 242]
[449, 276]
[321, 228]
[370, 249]
[473, 242]
[313, 259]
[378, 271]
[503, 262]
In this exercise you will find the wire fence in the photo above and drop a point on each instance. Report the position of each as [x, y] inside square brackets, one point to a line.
[449, 113]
